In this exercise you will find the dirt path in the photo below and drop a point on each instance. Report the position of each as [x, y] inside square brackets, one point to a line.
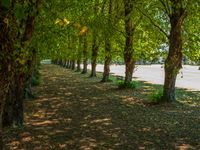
[73, 112]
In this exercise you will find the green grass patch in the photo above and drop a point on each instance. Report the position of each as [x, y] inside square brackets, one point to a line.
[131, 85]
[113, 79]
[155, 97]
[36, 78]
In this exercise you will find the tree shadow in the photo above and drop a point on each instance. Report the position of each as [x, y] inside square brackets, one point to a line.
[72, 112]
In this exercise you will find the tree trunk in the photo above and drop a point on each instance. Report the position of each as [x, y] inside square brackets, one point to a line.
[73, 65]
[19, 101]
[6, 62]
[128, 51]
[94, 61]
[78, 65]
[13, 110]
[95, 46]
[85, 64]
[7, 117]
[94, 55]
[63, 63]
[85, 56]
[108, 55]
[173, 63]
[79, 55]
[68, 64]
[108, 59]
[4, 85]
[60, 62]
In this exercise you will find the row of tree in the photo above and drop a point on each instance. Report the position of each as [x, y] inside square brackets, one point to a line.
[110, 30]
[82, 31]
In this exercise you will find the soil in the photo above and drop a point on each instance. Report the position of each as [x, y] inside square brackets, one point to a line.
[75, 112]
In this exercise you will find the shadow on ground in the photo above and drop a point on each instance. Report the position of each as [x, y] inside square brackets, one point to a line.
[74, 112]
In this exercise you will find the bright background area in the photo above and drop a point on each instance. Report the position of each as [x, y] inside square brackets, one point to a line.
[189, 76]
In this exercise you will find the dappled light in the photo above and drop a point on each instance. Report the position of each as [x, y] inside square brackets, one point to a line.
[99, 74]
[71, 112]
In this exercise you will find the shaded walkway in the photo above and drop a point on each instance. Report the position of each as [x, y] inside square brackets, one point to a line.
[73, 112]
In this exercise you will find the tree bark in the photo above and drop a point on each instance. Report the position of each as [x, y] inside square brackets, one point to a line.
[85, 56]
[108, 59]
[68, 64]
[7, 38]
[73, 65]
[94, 60]
[95, 46]
[173, 63]
[128, 50]
[4, 85]
[78, 68]
[79, 54]
[13, 110]
[17, 88]
[108, 55]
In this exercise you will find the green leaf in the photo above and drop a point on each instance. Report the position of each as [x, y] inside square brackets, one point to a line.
[19, 12]
[6, 3]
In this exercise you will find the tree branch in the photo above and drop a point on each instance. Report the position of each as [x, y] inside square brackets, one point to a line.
[166, 7]
[153, 22]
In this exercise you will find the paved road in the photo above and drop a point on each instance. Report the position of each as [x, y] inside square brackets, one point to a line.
[189, 77]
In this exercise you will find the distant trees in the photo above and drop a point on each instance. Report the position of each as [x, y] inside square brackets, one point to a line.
[77, 32]
[89, 31]
[130, 31]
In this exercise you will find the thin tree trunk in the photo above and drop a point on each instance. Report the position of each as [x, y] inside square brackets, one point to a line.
[85, 64]
[173, 63]
[128, 51]
[108, 55]
[85, 56]
[73, 65]
[78, 68]
[95, 46]
[79, 55]
[33, 66]
[68, 64]
[63, 63]
[4, 85]
[108, 59]
[94, 61]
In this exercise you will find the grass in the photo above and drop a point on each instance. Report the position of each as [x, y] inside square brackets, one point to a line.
[36, 79]
[155, 96]
[131, 85]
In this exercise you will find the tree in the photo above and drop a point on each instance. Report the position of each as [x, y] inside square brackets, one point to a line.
[13, 112]
[95, 44]
[128, 50]
[168, 17]
[108, 55]
[16, 31]
[6, 51]
[176, 11]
